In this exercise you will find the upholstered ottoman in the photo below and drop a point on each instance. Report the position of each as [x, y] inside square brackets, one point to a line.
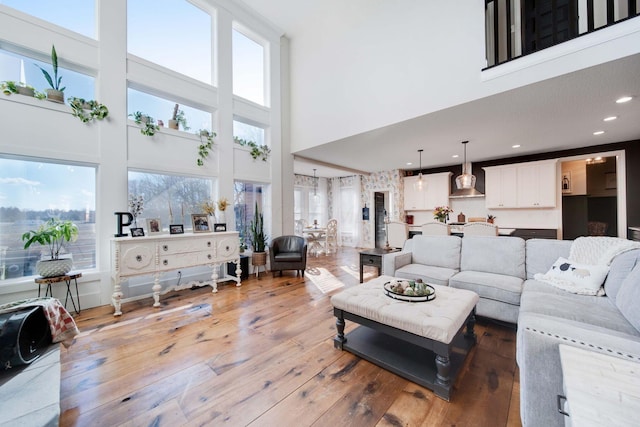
[424, 342]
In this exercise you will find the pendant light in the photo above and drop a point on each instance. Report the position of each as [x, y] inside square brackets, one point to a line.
[315, 184]
[420, 185]
[466, 180]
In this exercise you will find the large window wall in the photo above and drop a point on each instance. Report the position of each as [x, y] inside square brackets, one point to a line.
[191, 62]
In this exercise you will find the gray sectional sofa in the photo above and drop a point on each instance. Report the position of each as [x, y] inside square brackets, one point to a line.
[501, 270]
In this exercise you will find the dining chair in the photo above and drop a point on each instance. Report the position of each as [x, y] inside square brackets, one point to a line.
[480, 229]
[398, 233]
[331, 237]
[435, 228]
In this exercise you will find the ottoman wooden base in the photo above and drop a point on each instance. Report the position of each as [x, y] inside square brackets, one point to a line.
[426, 362]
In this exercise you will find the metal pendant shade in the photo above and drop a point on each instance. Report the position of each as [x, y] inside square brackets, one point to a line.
[466, 180]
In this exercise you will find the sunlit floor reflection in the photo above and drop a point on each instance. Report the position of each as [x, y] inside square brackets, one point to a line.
[323, 279]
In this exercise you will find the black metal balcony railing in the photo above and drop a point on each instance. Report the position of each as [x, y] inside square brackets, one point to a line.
[518, 27]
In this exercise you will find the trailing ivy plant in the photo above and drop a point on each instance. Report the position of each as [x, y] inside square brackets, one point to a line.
[8, 87]
[87, 111]
[206, 144]
[261, 151]
[148, 123]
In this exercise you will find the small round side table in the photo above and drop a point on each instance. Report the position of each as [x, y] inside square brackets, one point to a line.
[67, 278]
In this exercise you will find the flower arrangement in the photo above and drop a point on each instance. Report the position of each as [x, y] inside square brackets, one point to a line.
[136, 207]
[441, 213]
[223, 204]
[209, 207]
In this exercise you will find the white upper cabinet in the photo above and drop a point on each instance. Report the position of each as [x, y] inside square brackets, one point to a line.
[537, 185]
[527, 185]
[435, 192]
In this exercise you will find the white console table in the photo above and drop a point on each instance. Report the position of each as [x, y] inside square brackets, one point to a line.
[156, 254]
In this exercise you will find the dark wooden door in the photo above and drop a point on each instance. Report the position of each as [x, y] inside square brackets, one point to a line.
[548, 22]
[378, 209]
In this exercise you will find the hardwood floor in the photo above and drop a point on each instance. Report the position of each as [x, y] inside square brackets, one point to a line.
[262, 355]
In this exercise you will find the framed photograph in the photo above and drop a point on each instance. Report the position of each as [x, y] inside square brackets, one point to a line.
[137, 232]
[176, 229]
[219, 227]
[610, 181]
[566, 182]
[154, 226]
[200, 223]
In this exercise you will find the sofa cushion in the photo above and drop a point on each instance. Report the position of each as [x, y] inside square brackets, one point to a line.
[541, 298]
[575, 277]
[428, 273]
[628, 299]
[620, 269]
[542, 253]
[489, 254]
[498, 287]
[437, 251]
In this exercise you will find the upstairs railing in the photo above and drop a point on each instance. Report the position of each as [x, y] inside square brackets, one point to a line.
[518, 27]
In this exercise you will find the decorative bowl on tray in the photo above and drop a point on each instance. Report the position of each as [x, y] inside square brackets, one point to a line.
[409, 290]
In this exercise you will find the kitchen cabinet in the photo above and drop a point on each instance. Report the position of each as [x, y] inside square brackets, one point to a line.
[501, 187]
[157, 254]
[521, 186]
[537, 185]
[435, 193]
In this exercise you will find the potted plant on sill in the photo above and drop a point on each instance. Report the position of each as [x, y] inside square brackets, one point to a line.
[256, 151]
[206, 144]
[178, 118]
[53, 234]
[87, 111]
[258, 239]
[9, 87]
[149, 126]
[56, 93]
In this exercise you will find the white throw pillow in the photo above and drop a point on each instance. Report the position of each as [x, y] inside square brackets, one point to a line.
[574, 277]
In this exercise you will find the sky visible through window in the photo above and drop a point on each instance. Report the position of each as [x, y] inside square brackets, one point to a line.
[81, 20]
[248, 68]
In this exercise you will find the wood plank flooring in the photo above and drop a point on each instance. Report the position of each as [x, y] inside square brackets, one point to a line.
[262, 355]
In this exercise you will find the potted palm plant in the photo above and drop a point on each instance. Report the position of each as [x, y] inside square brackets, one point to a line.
[258, 239]
[56, 93]
[53, 234]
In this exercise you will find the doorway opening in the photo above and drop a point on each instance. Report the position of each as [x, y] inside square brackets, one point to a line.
[593, 202]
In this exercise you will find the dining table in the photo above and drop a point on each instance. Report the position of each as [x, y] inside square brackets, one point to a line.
[316, 237]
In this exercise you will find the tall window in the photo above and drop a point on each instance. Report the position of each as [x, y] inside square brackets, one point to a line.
[248, 132]
[172, 33]
[248, 68]
[31, 192]
[81, 20]
[246, 195]
[171, 198]
[19, 68]
[162, 109]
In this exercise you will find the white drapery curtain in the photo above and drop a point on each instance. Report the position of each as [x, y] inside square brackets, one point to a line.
[346, 208]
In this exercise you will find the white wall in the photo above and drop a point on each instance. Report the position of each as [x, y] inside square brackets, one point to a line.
[48, 130]
[368, 64]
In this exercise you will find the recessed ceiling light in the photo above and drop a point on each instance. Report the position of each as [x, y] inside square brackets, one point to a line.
[409, 163]
[624, 99]
[455, 156]
[515, 146]
[610, 118]
[598, 132]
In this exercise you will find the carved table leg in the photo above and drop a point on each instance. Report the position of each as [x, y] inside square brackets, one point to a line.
[156, 290]
[443, 365]
[238, 272]
[214, 277]
[116, 298]
[340, 339]
[471, 322]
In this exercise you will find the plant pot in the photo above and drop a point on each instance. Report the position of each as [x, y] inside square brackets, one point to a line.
[490, 221]
[173, 124]
[54, 267]
[26, 91]
[55, 96]
[259, 258]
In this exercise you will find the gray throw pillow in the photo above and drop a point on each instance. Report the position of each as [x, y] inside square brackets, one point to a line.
[621, 266]
[628, 298]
